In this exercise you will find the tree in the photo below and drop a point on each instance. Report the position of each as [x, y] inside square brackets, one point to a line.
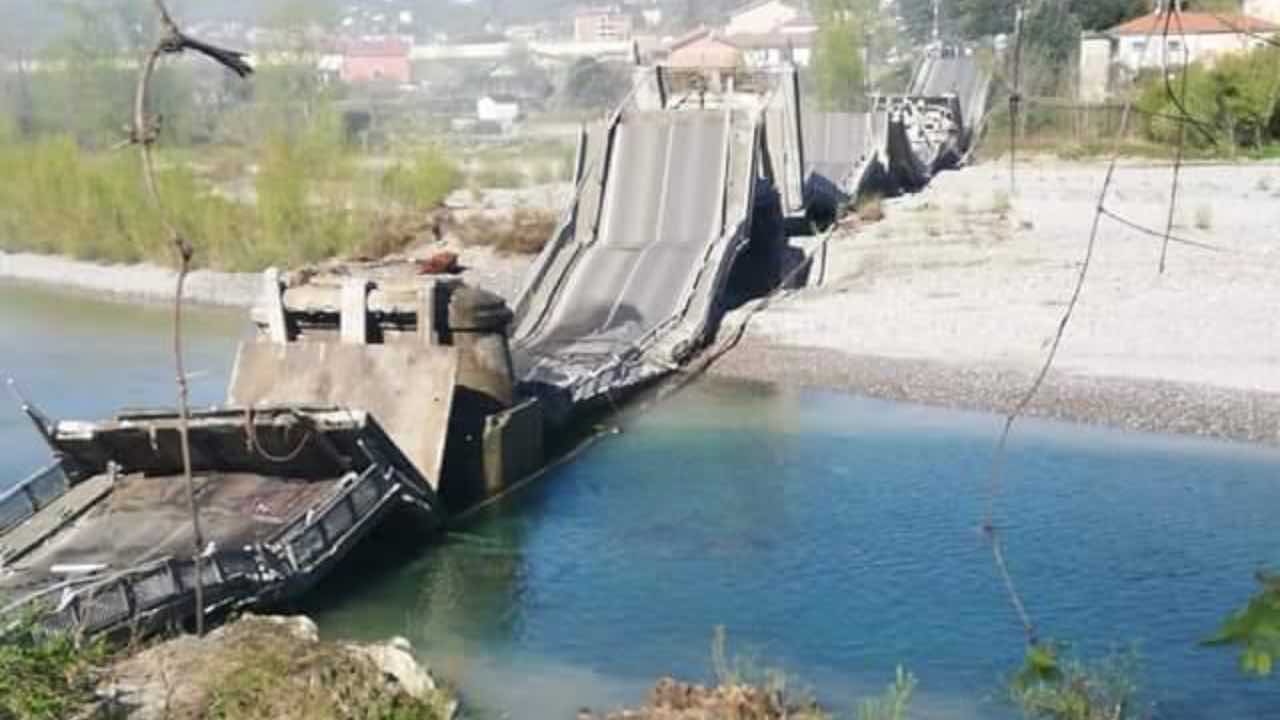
[1104, 14]
[1051, 37]
[592, 85]
[839, 68]
[982, 18]
[917, 18]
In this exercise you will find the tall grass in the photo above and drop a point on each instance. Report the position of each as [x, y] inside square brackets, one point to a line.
[62, 199]
[423, 182]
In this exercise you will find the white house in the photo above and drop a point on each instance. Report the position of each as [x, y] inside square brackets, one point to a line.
[761, 17]
[502, 110]
[772, 33]
[1141, 44]
[1194, 37]
[1268, 10]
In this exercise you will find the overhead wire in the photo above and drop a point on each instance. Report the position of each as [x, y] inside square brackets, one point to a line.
[1180, 103]
[989, 527]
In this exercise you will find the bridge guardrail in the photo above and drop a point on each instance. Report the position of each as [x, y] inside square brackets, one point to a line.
[21, 502]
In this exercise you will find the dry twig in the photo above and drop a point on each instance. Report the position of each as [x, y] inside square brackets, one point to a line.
[145, 132]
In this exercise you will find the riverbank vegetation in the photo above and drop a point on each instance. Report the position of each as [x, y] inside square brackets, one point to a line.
[1051, 686]
[288, 169]
[255, 668]
[46, 676]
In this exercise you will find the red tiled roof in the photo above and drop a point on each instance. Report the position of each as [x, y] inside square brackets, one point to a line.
[1193, 23]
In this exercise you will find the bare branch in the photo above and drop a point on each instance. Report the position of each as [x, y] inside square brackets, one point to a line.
[145, 133]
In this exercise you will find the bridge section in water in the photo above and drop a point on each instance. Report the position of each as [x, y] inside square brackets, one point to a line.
[692, 169]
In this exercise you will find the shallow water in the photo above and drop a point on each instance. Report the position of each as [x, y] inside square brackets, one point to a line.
[832, 536]
[836, 538]
[82, 358]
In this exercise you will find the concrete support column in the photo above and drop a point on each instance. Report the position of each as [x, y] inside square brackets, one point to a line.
[355, 311]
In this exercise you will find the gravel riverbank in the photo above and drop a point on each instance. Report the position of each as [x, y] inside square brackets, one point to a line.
[131, 282]
[953, 299]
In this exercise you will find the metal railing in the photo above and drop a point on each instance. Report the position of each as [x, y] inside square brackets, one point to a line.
[20, 503]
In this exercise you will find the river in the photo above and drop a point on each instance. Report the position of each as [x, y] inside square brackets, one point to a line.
[831, 536]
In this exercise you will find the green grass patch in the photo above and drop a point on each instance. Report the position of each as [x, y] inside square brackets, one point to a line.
[44, 675]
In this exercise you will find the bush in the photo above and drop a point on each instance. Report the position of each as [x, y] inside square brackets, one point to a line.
[1234, 103]
[1050, 688]
[424, 183]
[895, 702]
[1255, 629]
[502, 175]
[45, 675]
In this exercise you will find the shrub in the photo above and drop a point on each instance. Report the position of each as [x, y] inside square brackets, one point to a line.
[45, 675]
[1234, 103]
[424, 183]
[502, 175]
[1255, 628]
[1050, 688]
[895, 701]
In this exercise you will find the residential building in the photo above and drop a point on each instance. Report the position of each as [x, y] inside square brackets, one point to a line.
[791, 41]
[703, 48]
[1095, 66]
[1268, 10]
[761, 17]
[1141, 44]
[382, 60]
[602, 24]
[502, 110]
[1194, 38]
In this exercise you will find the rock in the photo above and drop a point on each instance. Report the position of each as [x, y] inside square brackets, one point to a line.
[393, 658]
[299, 626]
[180, 678]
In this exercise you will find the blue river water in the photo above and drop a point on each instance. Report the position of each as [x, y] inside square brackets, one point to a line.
[832, 537]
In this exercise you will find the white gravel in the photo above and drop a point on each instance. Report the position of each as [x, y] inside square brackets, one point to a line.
[955, 296]
[138, 282]
[950, 276]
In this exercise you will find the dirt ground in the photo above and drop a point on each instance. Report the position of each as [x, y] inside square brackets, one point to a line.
[955, 296]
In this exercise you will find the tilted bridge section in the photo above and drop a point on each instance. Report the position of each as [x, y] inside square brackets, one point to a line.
[692, 168]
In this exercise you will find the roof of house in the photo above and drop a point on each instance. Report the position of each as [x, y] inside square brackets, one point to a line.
[1194, 23]
[748, 7]
[702, 33]
[390, 47]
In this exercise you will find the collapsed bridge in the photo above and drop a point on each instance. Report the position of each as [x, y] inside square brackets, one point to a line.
[370, 403]
[691, 171]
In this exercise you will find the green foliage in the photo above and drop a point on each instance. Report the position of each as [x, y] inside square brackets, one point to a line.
[1104, 14]
[1234, 103]
[593, 85]
[982, 18]
[1048, 687]
[839, 71]
[43, 675]
[499, 174]
[894, 703]
[1255, 629]
[423, 183]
